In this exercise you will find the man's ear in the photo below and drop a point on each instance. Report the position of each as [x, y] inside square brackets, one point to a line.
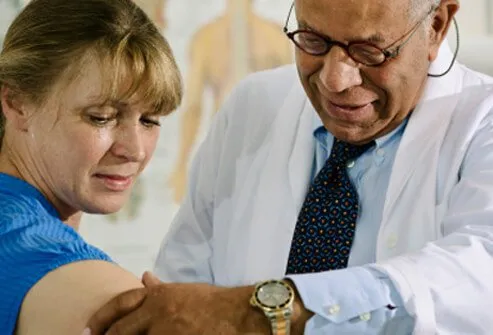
[442, 19]
[14, 108]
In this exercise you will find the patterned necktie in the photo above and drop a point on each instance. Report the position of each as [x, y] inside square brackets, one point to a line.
[327, 221]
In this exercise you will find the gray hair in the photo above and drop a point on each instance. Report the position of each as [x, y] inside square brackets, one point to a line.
[417, 7]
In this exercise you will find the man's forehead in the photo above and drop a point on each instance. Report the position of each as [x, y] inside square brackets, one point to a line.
[370, 10]
[366, 19]
[362, 5]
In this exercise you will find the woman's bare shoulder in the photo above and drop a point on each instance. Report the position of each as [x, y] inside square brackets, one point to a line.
[64, 300]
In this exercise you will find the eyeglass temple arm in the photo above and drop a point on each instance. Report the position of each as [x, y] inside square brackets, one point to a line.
[397, 50]
[285, 29]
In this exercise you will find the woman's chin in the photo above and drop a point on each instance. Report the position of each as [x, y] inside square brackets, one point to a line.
[104, 207]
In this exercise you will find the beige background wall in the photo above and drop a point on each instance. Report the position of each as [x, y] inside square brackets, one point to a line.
[133, 236]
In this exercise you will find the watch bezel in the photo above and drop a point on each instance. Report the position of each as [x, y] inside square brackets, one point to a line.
[267, 308]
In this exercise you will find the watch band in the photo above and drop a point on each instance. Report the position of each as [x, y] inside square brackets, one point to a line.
[279, 316]
[280, 323]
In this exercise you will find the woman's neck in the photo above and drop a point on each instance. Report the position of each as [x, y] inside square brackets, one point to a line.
[7, 166]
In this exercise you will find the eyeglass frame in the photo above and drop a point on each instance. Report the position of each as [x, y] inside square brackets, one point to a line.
[388, 54]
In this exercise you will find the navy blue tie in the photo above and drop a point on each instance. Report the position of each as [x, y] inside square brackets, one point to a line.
[327, 221]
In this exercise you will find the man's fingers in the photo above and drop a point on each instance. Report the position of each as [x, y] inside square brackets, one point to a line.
[115, 309]
[135, 323]
[149, 279]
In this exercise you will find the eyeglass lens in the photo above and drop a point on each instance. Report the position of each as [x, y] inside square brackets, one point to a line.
[314, 44]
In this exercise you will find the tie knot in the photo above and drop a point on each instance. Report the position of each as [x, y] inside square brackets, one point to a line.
[343, 151]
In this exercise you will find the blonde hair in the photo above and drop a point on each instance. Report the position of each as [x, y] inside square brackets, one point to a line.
[50, 38]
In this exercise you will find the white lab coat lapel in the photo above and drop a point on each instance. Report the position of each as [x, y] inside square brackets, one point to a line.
[422, 138]
[275, 204]
[301, 158]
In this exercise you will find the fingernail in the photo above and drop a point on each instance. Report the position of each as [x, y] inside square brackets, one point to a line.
[86, 331]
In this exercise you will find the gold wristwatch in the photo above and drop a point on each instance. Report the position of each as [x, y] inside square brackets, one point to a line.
[275, 298]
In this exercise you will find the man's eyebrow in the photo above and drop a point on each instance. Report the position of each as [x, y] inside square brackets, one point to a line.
[373, 39]
[304, 25]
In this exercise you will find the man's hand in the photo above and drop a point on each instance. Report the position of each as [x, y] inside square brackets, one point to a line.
[149, 279]
[180, 309]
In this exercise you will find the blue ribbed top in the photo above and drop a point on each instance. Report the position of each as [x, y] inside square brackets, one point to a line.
[33, 242]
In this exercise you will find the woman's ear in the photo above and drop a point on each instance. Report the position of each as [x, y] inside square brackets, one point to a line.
[14, 108]
[442, 19]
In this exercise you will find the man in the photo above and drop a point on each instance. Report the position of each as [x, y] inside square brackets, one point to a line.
[369, 186]
[221, 54]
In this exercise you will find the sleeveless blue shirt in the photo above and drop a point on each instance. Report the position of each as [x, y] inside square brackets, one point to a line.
[33, 242]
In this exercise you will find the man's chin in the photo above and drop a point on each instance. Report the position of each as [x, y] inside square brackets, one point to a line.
[350, 132]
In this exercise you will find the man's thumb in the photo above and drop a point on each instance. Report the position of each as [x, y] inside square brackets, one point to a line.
[149, 279]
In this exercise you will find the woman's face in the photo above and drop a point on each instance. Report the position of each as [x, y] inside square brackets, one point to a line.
[85, 153]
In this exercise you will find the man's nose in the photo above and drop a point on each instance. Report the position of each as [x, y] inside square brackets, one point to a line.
[339, 72]
[129, 144]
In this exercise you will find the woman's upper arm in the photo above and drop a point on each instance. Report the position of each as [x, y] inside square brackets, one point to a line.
[63, 301]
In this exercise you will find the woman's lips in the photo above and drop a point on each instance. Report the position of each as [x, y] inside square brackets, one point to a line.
[115, 183]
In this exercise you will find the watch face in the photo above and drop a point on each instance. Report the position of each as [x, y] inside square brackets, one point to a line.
[273, 294]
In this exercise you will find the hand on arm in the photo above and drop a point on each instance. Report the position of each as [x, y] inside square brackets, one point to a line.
[186, 309]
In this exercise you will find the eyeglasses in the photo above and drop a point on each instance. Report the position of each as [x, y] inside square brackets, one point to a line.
[364, 53]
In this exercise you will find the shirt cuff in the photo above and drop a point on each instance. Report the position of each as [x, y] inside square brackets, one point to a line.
[343, 296]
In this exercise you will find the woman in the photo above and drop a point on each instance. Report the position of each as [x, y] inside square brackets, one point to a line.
[83, 85]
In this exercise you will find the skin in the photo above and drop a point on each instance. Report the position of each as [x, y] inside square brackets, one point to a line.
[393, 90]
[386, 94]
[82, 155]
[75, 150]
[155, 9]
[201, 309]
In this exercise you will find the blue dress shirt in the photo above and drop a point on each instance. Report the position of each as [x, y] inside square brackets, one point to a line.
[359, 299]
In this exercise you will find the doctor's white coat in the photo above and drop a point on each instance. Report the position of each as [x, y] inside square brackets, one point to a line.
[250, 176]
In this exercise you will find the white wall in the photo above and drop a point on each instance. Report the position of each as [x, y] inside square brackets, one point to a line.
[475, 20]
[473, 17]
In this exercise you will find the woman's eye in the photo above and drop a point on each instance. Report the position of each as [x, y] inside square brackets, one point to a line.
[148, 122]
[99, 120]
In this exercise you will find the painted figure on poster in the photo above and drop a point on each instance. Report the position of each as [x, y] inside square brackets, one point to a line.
[221, 53]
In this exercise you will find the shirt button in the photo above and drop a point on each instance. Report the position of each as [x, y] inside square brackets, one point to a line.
[334, 309]
[350, 164]
[380, 152]
[365, 317]
[392, 241]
